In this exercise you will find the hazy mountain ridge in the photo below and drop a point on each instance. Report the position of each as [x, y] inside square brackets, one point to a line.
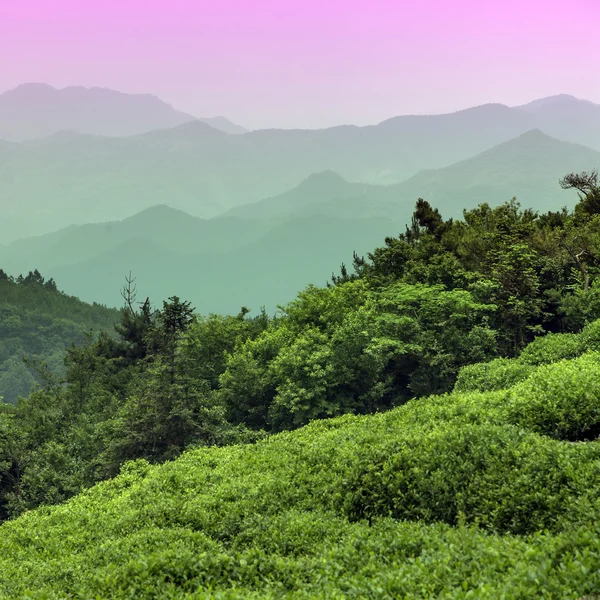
[36, 110]
[295, 236]
[312, 193]
[168, 228]
[522, 167]
[567, 118]
[265, 272]
[527, 167]
[77, 178]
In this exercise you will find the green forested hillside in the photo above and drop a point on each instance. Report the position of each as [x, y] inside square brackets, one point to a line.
[463, 495]
[37, 323]
[461, 362]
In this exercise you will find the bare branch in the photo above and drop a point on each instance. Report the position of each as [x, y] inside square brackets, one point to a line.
[585, 182]
[129, 292]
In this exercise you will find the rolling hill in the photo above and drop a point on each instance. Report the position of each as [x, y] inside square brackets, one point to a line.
[312, 195]
[267, 272]
[567, 118]
[173, 230]
[454, 496]
[527, 167]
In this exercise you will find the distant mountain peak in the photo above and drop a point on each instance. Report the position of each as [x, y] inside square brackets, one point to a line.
[556, 100]
[224, 124]
[525, 142]
[198, 126]
[37, 110]
[159, 211]
[481, 110]
[32, 86]
[326, 175]
[534, 134]
[322, 180]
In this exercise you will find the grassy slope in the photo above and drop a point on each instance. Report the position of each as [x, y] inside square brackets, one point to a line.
[470, 478]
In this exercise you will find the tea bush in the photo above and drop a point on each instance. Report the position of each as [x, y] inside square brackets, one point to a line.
[497, 374]
[553, 347]
[456, 496]
[502, 478]
[560, 400]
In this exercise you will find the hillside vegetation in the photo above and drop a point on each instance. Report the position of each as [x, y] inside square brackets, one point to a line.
[37, 324]
[425, 426]
[464, 495]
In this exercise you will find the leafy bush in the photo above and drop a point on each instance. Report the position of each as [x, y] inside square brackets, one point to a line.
[498, 374]
[501, 478]
[561, 400]
[347, 349]
[552, 347]
[261, 521]
[590, 336]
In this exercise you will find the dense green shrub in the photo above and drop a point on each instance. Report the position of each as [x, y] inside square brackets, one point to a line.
[552, 347]
[561, 400]
[260, 521]
[502, 478]
[498, 374]
[347, 349]
[590, 336]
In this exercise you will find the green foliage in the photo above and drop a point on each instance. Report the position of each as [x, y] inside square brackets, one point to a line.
[497, 374]
[552, 348]
[540, 270]
[560, 400]
[500, 478]
[146, 392]
[38, 323]
[350, 349]
[269, 520]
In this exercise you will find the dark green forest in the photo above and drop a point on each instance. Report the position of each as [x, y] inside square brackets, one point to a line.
[461, 358]
[37, 324]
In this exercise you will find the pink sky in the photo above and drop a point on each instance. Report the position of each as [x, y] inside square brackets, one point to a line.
[308, 63]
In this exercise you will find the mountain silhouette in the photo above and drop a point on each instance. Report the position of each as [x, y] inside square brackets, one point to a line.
[35, 110]
[77, 178]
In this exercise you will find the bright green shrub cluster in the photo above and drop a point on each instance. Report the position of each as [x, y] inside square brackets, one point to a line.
[590, 336]
[552, 348]
[561, 400]
[498, 374]
[270, 520]
[503, 478]
[502, 373]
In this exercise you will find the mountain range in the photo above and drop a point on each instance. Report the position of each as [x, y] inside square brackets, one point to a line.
[263, 253]
[256, 270]
[231, 218]
[527, 167]
[68, 177]
[35, 110]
